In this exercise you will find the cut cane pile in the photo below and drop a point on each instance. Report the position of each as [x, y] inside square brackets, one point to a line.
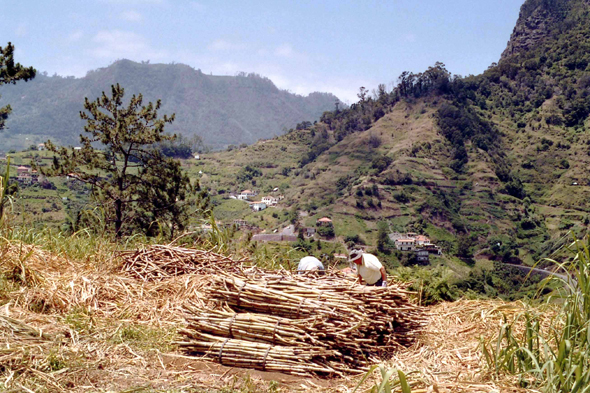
[159, 262]
[300, 325]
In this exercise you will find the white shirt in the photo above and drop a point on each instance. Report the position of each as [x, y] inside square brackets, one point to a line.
[370, 268]
[309, 263]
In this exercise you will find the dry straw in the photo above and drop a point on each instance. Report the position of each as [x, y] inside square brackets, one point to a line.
[43, 350]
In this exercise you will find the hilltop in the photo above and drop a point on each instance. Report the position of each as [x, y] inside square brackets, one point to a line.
[222, 110]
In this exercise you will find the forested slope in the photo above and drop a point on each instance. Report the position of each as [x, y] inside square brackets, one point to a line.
[223, 110]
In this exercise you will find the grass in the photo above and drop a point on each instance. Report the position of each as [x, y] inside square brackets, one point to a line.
[386, 385]
[551, 355]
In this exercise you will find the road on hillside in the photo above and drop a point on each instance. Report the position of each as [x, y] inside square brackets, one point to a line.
[565, 277]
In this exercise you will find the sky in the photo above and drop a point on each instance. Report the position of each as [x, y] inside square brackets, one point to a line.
[303, 46]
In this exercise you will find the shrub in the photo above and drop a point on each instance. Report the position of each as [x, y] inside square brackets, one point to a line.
[326, 231]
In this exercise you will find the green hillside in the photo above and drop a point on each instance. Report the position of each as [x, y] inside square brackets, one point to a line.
[498, 160]
[223, 110]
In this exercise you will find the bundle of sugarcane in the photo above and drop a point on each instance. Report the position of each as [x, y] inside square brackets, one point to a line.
[250, 327]
[241, 353]
[386, 314]
[317, 331]
[363, 323]
[160, 261]
[242, 295]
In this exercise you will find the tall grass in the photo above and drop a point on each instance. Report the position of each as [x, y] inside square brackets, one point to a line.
[5, 198]
[554, 357]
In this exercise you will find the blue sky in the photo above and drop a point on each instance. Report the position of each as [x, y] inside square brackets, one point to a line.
[302, 46]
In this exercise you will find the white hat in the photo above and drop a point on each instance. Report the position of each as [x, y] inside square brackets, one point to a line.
[354, 254]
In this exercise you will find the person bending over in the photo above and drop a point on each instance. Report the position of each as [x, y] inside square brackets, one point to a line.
[369, 269]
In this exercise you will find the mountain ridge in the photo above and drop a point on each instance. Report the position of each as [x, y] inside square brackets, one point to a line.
[223, 110]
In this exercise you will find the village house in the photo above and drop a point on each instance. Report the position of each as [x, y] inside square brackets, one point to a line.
[270, 200]
[41, 146]
[405, 244]
[240, 223]
[257, 206]
[422, 240]
[247, 194]
[324, 221]
[309, 231]
[422, 256]
[25, 175]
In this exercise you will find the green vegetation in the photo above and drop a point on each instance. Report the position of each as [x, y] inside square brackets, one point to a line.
[552, 357]
[10, 73]
[222, 110]
[135, 187]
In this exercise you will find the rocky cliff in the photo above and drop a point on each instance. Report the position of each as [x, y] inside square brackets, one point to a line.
[539, 20]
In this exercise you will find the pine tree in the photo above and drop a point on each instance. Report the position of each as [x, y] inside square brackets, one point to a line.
[136, 186]
[11, 73]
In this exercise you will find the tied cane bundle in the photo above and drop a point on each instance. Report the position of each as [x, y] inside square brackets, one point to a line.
[338, 326]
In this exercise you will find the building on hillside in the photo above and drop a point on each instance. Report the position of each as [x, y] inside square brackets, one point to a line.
[41, 146]
[310, 231]
[341, 256]
[197, 157]
[240, 223]
[324, 221]
[422, 256]
[432, 249]
[421, 240]
[405, 244]
[21, 169]
[26, 175]
[258, 206]
[270, 200]
[247, 194]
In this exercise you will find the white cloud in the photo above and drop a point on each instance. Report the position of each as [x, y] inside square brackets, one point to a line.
[132, 16]
[117, 44]
[223, 45]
